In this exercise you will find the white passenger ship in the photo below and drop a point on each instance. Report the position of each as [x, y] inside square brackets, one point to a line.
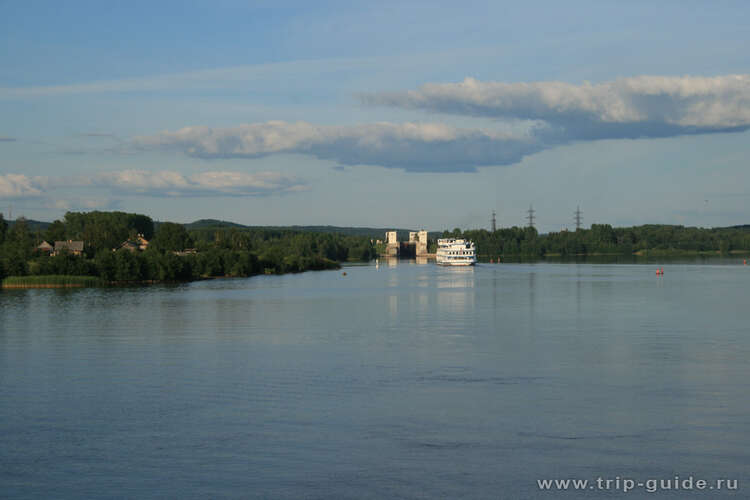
[455, 252]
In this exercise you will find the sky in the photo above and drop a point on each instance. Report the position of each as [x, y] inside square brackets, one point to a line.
[379, 114]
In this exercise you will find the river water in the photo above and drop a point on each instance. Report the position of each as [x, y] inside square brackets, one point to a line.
[392, 381]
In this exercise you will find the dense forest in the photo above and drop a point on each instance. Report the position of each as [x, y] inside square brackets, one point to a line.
[173, 253]
[370, 232]
[178, 252]
[604, 239]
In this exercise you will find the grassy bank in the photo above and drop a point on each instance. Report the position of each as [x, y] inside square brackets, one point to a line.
[51, 281]
[76, 281]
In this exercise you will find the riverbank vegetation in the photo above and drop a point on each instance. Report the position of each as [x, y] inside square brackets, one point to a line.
[177, 252]
[603, 239]
[173, 252]
[53, 281]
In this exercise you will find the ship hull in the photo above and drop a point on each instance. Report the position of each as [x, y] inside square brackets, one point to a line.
[455, 264]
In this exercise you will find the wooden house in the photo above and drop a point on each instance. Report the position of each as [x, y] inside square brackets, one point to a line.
[45, 247]
[74, 247]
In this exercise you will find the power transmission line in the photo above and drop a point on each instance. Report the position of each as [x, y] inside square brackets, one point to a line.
[578, 218]
[530, 217]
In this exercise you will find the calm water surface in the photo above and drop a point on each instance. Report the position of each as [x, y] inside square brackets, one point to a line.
[405, 381]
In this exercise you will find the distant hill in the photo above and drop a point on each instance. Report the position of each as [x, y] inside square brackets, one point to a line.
[372, 232]
[212, 223]
[215, 224]
[33, 225]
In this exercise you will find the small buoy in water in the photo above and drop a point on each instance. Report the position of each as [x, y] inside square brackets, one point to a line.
[343, 274]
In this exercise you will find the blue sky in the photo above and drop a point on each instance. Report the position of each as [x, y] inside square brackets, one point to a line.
[389, 114]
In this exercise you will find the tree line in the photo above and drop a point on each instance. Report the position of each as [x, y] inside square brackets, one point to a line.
[605, 239]
[243, 251]
[173, 254]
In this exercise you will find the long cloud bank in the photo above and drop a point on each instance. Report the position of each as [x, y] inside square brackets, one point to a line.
[415, 147]
[157, 183]
[212, 183]
[642, 106]
[20, 186]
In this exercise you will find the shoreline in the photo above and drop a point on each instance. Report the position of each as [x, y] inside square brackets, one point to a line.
[27, 282]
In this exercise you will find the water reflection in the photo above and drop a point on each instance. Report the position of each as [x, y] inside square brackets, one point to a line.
[532, 293]
[391, 261]
[455, 277]
[455, 289]
[432, 367]
[393, 307]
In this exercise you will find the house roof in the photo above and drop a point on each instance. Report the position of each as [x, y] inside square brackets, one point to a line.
[129, 244]
[45, 246]
[73, 246]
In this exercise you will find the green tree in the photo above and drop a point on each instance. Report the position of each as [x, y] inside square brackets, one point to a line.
[3, 228]
[105, 230]
[55, 232]
[724, 246]
[171, 237]
[128, 266]
[140, 224]
[19, 234]
[105, 264]
[17, 248]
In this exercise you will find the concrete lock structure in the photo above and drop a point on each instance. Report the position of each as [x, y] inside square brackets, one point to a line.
[391, 244]
[416, 246]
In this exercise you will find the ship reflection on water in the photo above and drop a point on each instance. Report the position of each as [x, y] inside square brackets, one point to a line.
[452, 289]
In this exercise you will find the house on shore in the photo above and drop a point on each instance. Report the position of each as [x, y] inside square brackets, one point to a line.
[74, 247]
[133, 244]
[45, 248]
[127, 245]
[141, 241]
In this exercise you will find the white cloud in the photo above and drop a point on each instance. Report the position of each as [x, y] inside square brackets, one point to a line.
[426, 147]
[642, 106]
[68, 204]
[20, 186]
[151, 183]
[210, 183]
